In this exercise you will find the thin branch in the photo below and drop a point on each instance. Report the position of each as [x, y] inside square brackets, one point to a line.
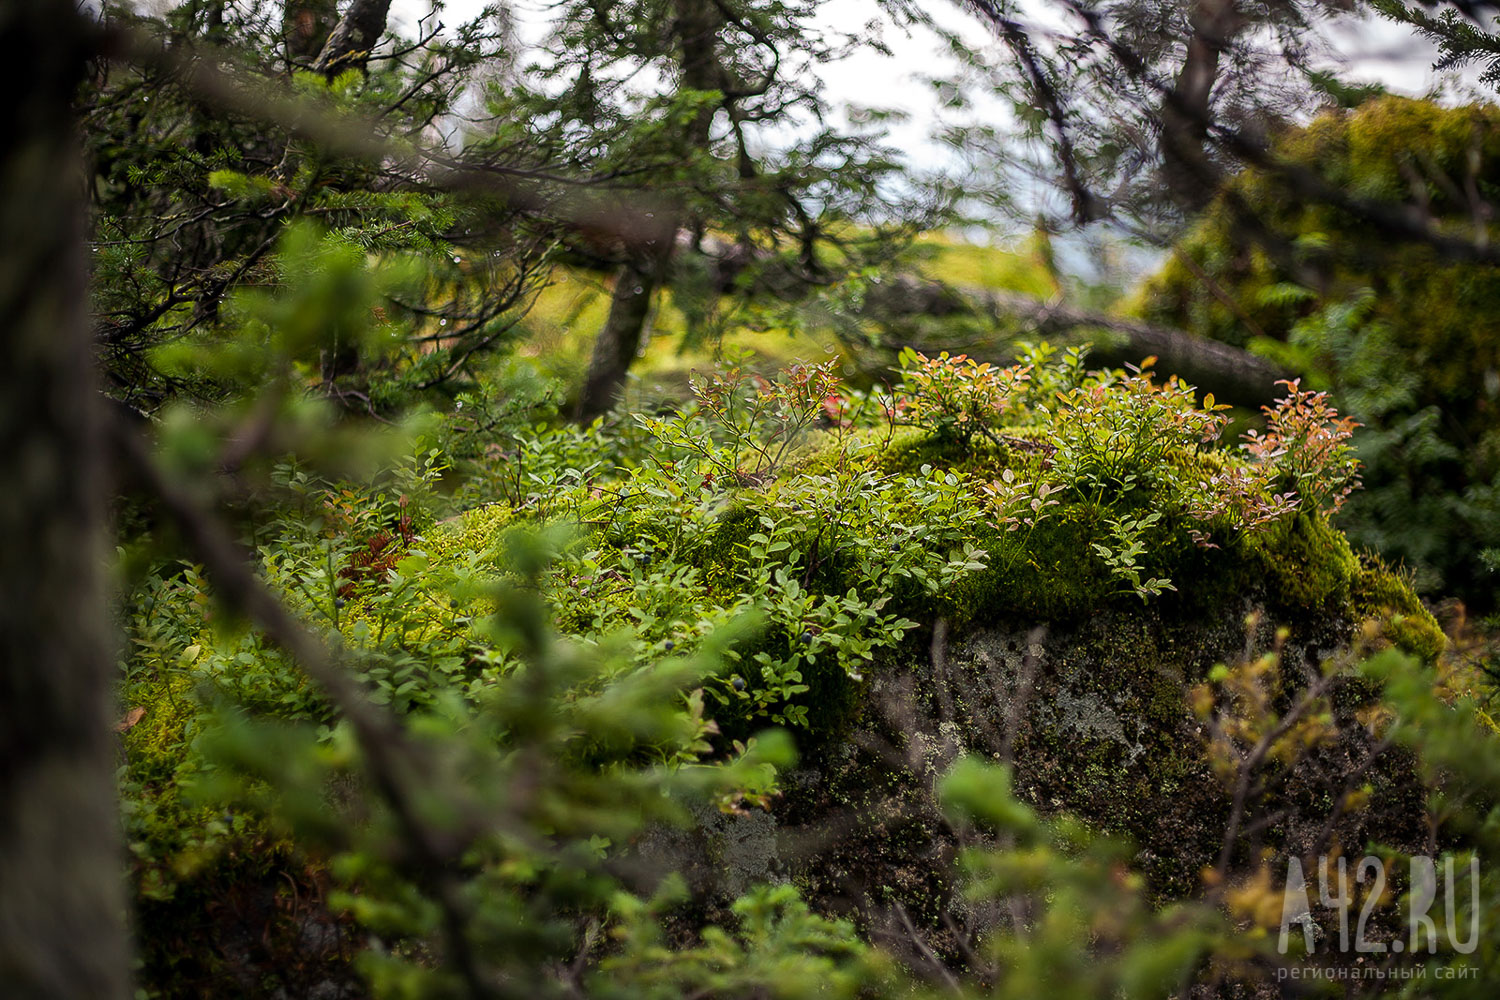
[1257, 755]
[1086, 206]
[353, 136]
[392, 758]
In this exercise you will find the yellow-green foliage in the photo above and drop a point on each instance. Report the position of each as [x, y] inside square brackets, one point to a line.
[667, 552]
[154, 748]
[1384, 596]
[473, 531]
[1026, 269]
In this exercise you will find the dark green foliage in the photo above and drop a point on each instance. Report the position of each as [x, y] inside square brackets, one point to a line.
[1405, 338]
[1461, 37]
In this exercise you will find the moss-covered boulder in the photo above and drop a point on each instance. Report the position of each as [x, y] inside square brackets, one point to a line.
[1061, 592]
[1095, 717]
[1061, 569]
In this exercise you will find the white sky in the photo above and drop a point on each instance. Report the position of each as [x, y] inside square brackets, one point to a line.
[1369, 50]
[1372, 50]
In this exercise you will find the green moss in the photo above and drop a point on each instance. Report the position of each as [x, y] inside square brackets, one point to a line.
[154, 745]
[1050, 573]
[912, 448]
[1402, 334]
[1385, 596]
[200, 877]
[721, 557]
[1306, 564]
[476, 530]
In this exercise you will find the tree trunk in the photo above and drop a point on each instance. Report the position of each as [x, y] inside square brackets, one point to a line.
[305, 25]
[357, 33]
[697, 25]
[61, 906]
[619, 340]
[1186, 111]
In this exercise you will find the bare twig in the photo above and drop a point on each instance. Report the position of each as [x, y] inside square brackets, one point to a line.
[1086, 206]
[1250, 762]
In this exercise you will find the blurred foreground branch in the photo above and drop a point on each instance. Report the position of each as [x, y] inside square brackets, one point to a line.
[563, 200]
[392, 759]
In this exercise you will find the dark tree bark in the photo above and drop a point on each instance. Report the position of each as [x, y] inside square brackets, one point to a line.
[305, 24]
[619, 340]
[61, 905]
[1187, 108]
[697, 25]
[357, 33]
